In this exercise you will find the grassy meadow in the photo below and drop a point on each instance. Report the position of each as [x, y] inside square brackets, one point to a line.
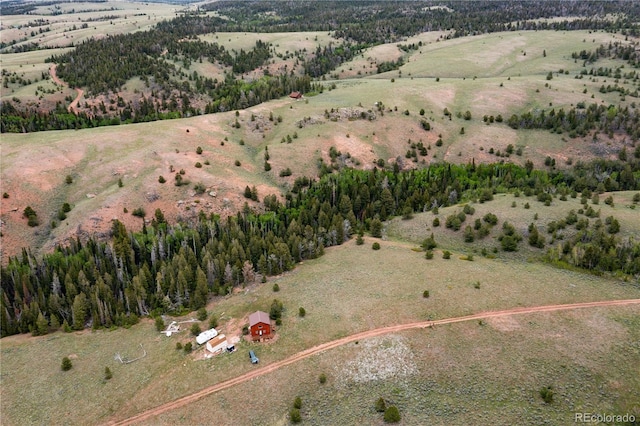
[350, 289]
[465, 373]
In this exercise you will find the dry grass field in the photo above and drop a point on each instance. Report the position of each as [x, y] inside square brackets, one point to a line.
[466, 373]
[454, 375]
[352, 289]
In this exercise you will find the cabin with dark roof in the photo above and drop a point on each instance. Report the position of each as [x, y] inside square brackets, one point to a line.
[295, 95]
[260, 325]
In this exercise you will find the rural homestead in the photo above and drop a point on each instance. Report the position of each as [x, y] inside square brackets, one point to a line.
[330, 212]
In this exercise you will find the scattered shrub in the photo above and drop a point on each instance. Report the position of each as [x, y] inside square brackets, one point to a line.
[323, 378]
[195, 329]
[302, 312]
[66, 364]
[199, 188]
[294, 415]
[446, 254]
[188, 347]
[275, 313]
[380, 405]
[159, 323]
[425, 294]
[107, 373]
[202, 314]
[276, 287]
[139, 212]
[547, 394]
[391, 414]
[213, 321]
[375, 246]
[490, 218]
[161, 179]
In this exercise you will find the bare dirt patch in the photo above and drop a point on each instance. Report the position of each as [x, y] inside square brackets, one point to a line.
[504, 324]
[380, 358]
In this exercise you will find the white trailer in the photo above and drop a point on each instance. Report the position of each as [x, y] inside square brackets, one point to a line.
[207, 335]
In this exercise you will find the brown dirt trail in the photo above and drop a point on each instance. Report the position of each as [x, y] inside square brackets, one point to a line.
[74, 104]
[352, 338]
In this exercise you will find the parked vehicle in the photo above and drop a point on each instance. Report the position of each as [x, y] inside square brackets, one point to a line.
[254, 359]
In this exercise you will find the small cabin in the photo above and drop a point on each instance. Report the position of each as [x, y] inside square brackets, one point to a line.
[260, 325]
[295, 95]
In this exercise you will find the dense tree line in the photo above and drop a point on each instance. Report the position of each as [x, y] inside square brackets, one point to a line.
[229, 94]
[103, 65]
[170, 268]
[581, 120]
[328, 58]
[376, 22]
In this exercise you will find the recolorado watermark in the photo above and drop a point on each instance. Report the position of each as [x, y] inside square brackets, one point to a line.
[603, 418]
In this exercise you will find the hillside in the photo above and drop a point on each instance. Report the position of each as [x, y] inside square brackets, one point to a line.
[365, 118]
[436, 203]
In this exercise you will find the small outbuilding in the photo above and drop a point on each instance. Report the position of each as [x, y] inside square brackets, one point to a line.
[260, 325]
[295, 95]
[217, 344]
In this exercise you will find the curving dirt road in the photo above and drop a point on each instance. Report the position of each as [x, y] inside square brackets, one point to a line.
[358, 336]
[74, 104]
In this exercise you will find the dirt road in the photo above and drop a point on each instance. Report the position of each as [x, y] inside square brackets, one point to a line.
[359, 336]
[74, 104]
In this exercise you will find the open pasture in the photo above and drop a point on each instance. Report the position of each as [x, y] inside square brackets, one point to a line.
[351, 289]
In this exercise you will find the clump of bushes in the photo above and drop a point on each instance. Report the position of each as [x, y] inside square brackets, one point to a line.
[66, 364]
[392, 414]
[547, 394]
[31, 215]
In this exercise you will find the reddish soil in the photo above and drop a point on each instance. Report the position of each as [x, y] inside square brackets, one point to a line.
[354, 337]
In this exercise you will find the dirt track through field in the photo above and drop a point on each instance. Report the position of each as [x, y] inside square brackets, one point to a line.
[73, 105]
[180, 402]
